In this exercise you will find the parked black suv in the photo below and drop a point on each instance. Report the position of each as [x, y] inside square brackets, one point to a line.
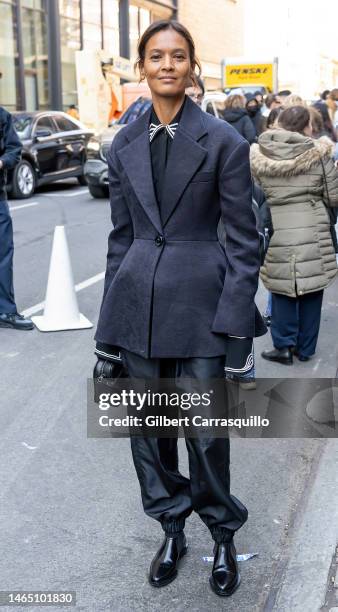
[54, 147]
[96, 167]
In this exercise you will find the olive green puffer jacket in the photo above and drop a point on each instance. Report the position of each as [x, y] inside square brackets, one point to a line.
[301, 257]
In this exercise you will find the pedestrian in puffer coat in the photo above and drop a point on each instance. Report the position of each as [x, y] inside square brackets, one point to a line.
[300, 180]
[236, 114]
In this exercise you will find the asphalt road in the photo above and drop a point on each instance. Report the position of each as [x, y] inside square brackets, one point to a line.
[70, 509]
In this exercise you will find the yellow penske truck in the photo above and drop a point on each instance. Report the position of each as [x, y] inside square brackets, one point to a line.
[248, 75]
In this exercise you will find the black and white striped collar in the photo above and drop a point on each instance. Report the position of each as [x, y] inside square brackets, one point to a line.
[155, 125]
[155, 128]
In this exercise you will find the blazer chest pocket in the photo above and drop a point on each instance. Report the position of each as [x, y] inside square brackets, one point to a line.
[203, 177]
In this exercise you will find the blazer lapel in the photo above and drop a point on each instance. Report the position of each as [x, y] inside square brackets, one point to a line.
[135, 159]
[186, 156]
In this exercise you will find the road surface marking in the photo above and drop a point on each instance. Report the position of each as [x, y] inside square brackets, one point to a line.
[66, 194]
[87, 283]
[11, 208]
[90, 281]
[316, 366]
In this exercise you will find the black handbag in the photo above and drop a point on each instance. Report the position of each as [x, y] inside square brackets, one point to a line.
[107, 371]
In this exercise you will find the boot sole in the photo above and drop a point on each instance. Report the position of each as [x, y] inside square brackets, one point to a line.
[173, 576]
[221, 593]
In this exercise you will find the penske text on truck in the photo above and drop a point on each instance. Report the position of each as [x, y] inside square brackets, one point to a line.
[248, 73]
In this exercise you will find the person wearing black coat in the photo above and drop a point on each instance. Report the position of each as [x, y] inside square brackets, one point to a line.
[10, 153]
[253, 109]
[236, 114]
[173, 296]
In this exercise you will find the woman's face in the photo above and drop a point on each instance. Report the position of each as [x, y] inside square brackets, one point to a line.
[167, 65]
[252, 105]
[195, 94]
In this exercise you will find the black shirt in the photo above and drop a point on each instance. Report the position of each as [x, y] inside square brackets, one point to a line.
[159, 151]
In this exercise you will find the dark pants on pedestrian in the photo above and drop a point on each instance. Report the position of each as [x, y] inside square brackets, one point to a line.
[7, 302]
[167, 495]
[296, 321]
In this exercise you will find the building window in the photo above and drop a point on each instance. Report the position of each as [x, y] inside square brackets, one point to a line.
[139, 19]
[35, 55]
[9, 94]
[70, 9]
[91, 24]
[70, 42]
[111, 33]
[32, 4]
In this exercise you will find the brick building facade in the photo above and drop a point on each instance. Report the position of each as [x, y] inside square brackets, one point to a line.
[218, 31]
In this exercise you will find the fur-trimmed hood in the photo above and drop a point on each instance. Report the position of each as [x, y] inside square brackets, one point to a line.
[280, 152]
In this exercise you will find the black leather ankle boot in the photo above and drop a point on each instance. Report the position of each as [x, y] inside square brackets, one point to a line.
[163, 568]
[225, 578]
[283, 356]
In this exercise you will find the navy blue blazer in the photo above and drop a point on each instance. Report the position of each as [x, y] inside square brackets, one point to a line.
[10, 148]
[171, 290]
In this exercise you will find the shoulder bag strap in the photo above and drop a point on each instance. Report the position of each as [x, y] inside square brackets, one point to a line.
[331, 213]
[324, 179]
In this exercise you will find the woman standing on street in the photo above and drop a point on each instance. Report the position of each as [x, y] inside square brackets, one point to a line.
[236, 114]
[300, 180]
[172, 294]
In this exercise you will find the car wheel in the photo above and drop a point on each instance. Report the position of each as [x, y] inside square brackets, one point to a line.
[98, 192]
[23, 184]
[82, 180]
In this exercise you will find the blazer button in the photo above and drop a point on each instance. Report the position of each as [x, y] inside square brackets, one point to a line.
[159, 240]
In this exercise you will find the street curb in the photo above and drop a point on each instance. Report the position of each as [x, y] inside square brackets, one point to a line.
[304, 581]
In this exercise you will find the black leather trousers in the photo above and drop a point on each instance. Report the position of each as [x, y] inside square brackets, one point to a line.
[167, 495]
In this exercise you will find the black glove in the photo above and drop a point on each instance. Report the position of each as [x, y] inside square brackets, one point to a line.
[108, 369]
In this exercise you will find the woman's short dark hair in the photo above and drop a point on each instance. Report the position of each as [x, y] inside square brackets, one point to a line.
[167, 24]
[235, 101]
[316, 122]
[270, 98]
[273, 114]
[328, 125]
[324, 94]
[294, 118]
[285, 92]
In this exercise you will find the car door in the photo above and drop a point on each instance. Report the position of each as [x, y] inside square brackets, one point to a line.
[45, 144]
[72, 153]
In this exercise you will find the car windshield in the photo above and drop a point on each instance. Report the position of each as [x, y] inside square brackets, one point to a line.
[22, 125]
